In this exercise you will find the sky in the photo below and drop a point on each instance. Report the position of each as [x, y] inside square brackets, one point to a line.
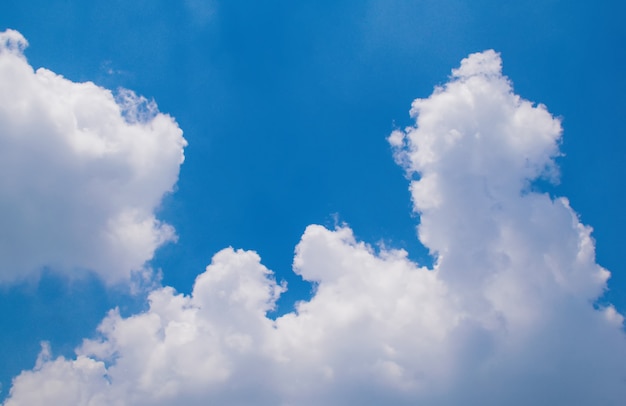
[304, 203]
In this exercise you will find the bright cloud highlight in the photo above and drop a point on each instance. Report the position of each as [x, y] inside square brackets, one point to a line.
[506, 315]
[81, 172]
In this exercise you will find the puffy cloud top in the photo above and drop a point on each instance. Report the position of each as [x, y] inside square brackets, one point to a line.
[505, 317]
[81, 172]
[486, 63]
[12, 41]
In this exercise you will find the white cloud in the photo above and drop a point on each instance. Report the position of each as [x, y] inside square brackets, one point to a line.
[81, 173]
[505, 317]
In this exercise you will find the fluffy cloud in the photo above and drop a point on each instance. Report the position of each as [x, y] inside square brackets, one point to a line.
[81, 172]
[505, 316]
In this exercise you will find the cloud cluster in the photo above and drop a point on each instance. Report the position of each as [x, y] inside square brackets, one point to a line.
[81, 172]
[505, 316]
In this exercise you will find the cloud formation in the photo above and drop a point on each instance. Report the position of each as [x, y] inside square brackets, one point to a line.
[81, 172]
[505, 316]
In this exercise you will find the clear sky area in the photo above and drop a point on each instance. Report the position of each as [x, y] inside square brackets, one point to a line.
[377, 202]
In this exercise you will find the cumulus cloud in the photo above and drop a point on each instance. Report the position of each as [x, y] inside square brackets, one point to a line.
[506, 315]
[81, 172]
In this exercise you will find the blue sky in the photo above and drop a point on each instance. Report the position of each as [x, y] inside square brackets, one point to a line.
[286, 109]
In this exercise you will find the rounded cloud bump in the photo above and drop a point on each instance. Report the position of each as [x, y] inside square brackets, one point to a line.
[80, 174]
[506, 316]
[12, 41]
